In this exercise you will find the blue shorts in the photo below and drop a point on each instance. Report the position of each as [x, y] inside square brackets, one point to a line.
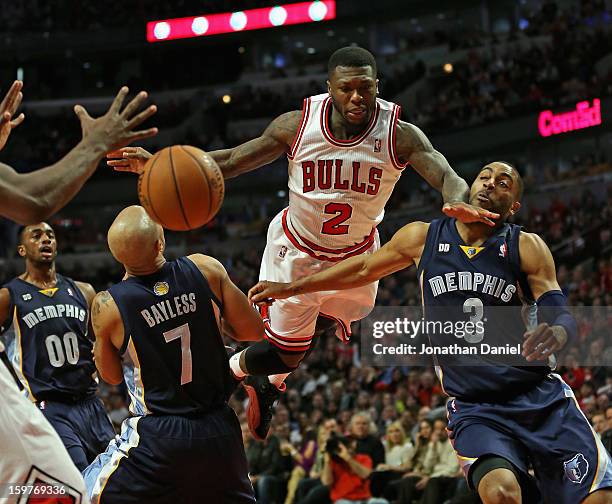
[173, 459]
[543, 428]
[84, 427]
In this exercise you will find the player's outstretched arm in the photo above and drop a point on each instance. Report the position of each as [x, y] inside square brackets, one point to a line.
[32, 197]
[413, 147]
[275, 141]
[552, 335]
[108, 329]
[398, 253]
[244, 320]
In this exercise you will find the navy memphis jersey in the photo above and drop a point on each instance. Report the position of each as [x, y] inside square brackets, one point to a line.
[174, 359]
[48, 343]
[460, 281]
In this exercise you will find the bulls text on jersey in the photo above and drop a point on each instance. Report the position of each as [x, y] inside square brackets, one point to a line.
[327, 174]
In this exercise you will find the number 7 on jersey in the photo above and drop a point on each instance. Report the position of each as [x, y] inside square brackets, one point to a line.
[184, 334]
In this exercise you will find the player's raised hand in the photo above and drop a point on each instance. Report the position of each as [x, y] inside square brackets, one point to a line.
[544, 340]
[265, 292]
[128, 159]
[116, 128]
[469, 213]
[8, 107]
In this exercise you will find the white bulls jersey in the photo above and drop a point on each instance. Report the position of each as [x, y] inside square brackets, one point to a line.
[338, 188]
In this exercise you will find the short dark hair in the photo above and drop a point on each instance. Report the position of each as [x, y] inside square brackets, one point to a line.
[351, 56]
[20, 232]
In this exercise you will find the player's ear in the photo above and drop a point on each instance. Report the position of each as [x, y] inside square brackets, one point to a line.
[377, 82]
[21, 250]
[515, 207]
[329, 87]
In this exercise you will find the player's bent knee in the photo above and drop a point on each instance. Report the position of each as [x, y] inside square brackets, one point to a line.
[262, 358]
[500, 486]
[292, 360]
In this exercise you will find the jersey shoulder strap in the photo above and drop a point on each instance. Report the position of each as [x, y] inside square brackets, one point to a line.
[431, 241]
[205, 285]
[514, 256]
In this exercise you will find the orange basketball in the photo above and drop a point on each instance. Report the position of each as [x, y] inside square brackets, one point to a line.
[181, 187]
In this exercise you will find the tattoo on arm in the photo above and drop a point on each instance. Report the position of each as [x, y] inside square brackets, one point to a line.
[275, 140]
[414, 147]
[102, 298]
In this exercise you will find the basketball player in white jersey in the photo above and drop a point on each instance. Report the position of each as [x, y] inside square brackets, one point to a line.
[31, 452]
[346, 149]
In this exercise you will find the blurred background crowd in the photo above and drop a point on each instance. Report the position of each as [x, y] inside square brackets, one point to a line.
[473, 75]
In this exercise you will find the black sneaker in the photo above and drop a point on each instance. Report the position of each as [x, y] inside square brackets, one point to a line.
[262, 396]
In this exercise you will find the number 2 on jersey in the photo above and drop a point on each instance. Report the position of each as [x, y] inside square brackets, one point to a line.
[334, 226]
[184, 334]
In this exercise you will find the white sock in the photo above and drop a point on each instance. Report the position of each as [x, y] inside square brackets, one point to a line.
[278, 380]
[234, 364]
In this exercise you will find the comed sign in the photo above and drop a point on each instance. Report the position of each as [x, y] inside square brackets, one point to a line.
[583, 116]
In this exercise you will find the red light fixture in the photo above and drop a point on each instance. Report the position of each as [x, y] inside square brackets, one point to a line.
[231, 22]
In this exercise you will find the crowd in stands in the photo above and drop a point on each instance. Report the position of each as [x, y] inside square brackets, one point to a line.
[487, 85]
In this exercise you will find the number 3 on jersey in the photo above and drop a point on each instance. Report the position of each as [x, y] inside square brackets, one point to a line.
[334, 226]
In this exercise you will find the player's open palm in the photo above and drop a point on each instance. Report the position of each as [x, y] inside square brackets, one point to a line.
[117, 127]
[128, 159]
[265, 292]
[8, 107]
[469, 213]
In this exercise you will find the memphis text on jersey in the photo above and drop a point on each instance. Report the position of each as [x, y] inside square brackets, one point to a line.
[474, 282]
[327, 174]
[169, 309]
[46, 312]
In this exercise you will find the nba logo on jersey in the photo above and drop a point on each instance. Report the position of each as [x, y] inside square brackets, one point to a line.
[70, 292]
[282, 252]
[503, 250]
[377, 145]
[161, 288]
[576, 468]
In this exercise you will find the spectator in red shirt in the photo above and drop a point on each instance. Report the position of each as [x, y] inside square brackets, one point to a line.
[427, 388]
[573, 375]
[346, 473]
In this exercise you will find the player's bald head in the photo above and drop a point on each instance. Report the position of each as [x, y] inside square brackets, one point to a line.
[134, 239]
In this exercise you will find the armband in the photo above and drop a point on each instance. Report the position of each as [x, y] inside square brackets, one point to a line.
[554, 312]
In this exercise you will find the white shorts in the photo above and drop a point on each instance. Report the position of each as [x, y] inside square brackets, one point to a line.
[31, 452]
[290, 323]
